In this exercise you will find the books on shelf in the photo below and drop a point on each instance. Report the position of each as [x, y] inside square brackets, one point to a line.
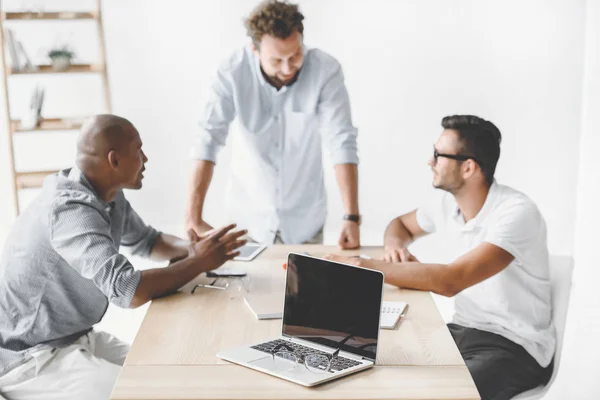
[27, 65]
[12, 50]
[19, 58]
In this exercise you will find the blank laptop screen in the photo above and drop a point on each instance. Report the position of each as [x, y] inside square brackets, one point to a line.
[327, 302]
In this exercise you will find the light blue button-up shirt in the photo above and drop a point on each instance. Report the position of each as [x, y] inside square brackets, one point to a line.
[277, 170]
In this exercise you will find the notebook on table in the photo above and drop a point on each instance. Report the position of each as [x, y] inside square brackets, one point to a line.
[270, 306]
[265, 306]
[391, 311]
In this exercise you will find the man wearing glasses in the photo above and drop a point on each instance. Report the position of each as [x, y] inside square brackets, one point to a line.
[500, 273]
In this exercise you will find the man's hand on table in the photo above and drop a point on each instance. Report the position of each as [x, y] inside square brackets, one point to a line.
[397, 254]
[356, 260]
[349, 236]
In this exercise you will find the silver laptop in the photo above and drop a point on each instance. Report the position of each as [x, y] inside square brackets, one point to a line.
[330, 324]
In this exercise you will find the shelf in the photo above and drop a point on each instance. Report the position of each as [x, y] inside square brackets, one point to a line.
[48, 130]
[47, 69]
[32, 179]
[50, 124]
[60, 15]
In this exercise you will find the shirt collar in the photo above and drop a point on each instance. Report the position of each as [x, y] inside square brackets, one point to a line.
[489, 199]
[257, 69]
[76, 175]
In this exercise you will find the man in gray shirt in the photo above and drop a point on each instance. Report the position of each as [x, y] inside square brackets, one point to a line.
[61, 266]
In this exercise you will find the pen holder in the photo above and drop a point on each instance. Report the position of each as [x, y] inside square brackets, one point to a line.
[30, 120]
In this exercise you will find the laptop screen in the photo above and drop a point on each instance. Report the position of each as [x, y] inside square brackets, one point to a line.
[327, 303]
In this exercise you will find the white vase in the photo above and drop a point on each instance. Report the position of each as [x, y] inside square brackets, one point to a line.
[61, 63]
[30, 120]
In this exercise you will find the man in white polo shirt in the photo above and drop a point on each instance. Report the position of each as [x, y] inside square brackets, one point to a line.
[500, 276]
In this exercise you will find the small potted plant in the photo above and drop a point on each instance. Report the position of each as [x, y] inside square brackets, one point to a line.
[61, 58]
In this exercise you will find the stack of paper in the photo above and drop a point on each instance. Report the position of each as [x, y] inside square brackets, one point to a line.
[265, 306]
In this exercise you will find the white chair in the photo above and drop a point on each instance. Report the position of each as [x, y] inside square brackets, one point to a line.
[561, 271]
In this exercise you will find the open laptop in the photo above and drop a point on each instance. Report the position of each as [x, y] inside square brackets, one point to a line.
[330, 324]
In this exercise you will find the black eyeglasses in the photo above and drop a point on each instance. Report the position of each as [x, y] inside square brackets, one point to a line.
[287, 356]
[457, 157]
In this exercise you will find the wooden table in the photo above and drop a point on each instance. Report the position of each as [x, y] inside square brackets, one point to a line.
[174, 353]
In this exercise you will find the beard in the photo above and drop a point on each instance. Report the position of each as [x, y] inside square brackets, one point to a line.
[277, 82]
[449, 184]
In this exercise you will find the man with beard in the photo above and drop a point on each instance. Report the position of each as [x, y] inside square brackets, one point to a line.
[288, 99]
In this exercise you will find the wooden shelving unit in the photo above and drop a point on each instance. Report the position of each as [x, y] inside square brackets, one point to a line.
[34, 179]
[49, 124]
[61, 16]
[47, 69]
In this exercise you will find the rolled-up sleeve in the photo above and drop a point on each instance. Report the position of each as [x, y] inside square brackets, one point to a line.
[138, 237]
[82, 237]
[335, 119]
[217, 115]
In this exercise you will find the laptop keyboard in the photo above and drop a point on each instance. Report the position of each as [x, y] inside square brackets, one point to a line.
[338, 363]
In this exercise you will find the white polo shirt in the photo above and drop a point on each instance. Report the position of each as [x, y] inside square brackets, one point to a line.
[516, 302]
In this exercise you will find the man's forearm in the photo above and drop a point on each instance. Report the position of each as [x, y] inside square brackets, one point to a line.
[158, 282]
[200, 181]
[437, 278]
[169, 247]
[397, 235]
[347, 178]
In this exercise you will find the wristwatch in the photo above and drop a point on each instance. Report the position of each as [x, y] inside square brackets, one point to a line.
[353, 217]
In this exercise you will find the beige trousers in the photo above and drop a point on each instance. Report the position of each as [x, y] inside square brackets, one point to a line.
[317, 239]
[87, 369]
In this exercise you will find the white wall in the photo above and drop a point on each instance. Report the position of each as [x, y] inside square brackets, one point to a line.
[578, 378]
[407, 64]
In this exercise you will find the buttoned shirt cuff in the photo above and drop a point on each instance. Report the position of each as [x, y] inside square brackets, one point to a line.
[125, 288]
[344, 156]
[148, 242]
[204, 152]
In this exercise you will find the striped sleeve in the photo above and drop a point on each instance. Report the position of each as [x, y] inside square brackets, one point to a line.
[81, 236]
[137, 236]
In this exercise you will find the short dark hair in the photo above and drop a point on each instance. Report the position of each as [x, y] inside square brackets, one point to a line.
[479, 139]
[276, 18]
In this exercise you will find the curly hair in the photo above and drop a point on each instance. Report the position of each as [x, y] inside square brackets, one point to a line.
[276, 18]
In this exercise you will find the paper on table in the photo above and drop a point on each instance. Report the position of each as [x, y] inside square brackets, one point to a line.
[265, 306]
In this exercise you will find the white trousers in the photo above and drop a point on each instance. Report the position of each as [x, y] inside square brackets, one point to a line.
[87, 369]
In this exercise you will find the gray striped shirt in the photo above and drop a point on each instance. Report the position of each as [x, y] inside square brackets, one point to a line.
[61, 266]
